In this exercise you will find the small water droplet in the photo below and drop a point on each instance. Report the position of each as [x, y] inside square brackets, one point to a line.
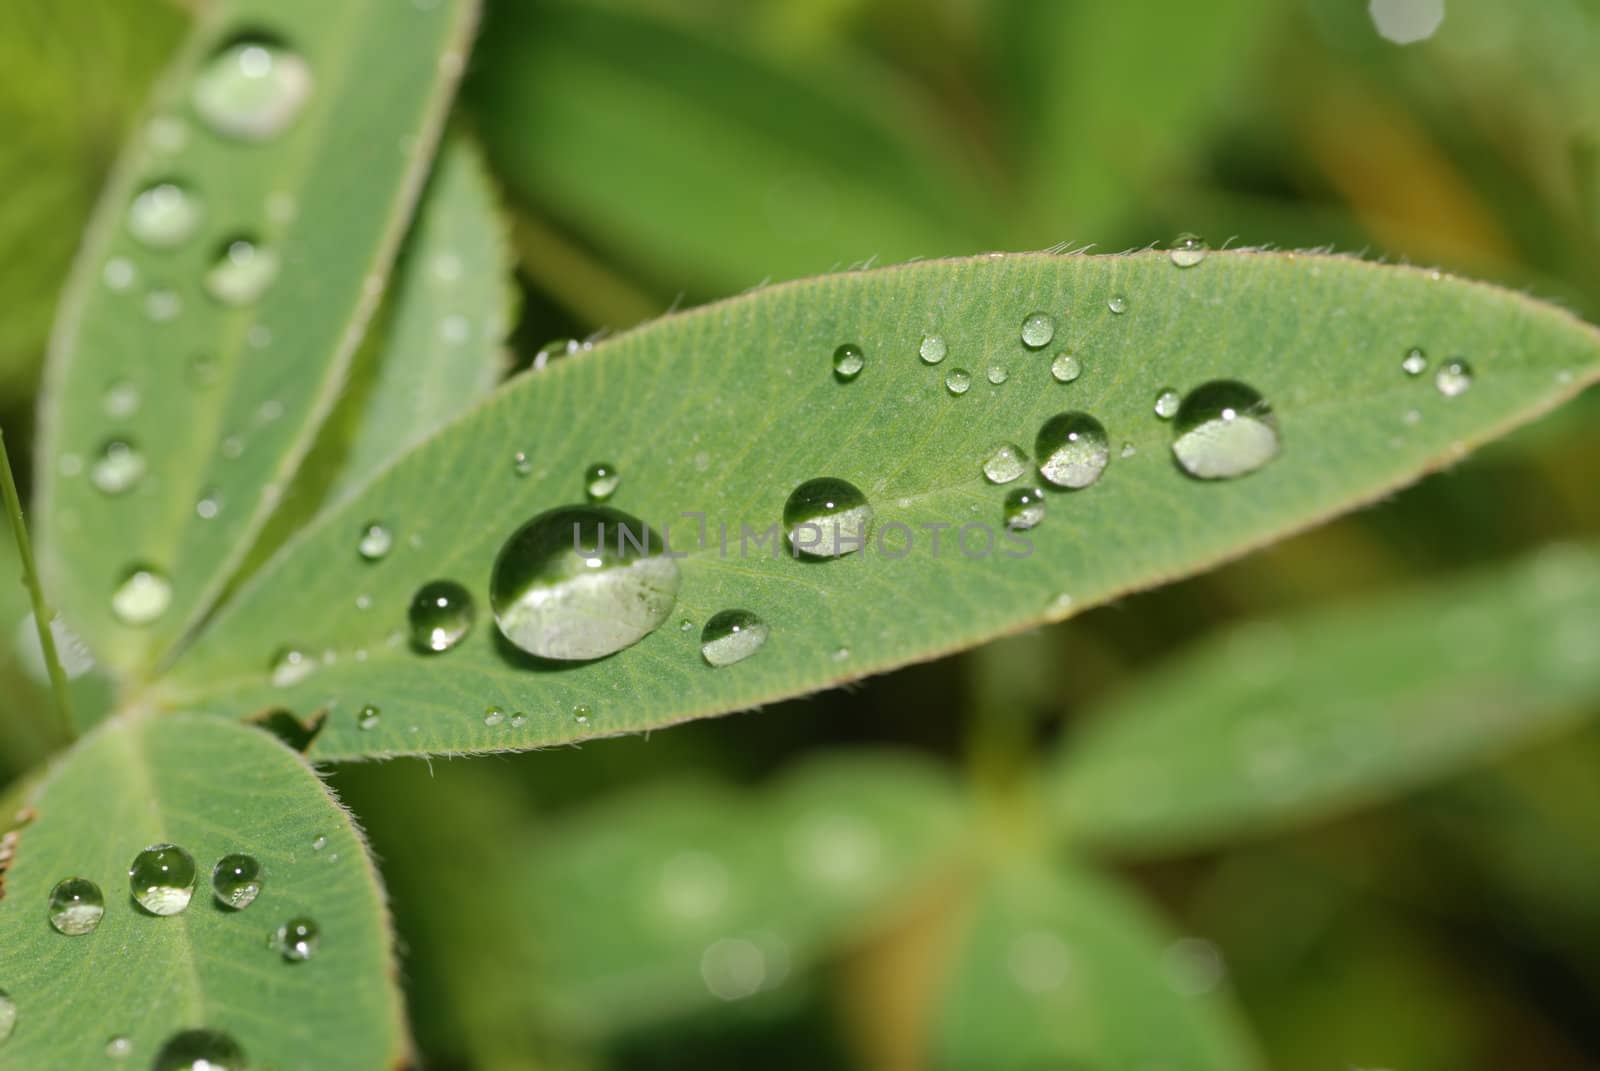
[119, 274]
[118, 468]
[208, 505]
[375, 542]
[291, 665]
[848, 361]
[1006, 462]
[1406, 22]
[518, 720]
[1415, 361]
[932, 350]
[76, 906]
[1065, 368]
[1024, 508]
[493, 716]
[1072, 450]
[1167, 402]
[957, 381]
[997, 375]
[199, 1050]
[1224, 429]
[368, 717]
[1117, 304]
[581, 713]
[164, 215]
[143, 595]
[162, 879]
[1188, 250]
[8, 1015]
[600, 481]
[1038, 328]
[251, 90]
[121, 399]
[241, 272]
[236, 880]
[297, 939]
[826, 518]
[119, 1047]
[162, 305]
[1453, 378]
[319, 842]
[441, 615]
[521, 463]
[732, 636]
[1128, 450]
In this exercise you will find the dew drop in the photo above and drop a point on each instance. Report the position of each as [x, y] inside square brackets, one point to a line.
[848, 361]
[518, 720]
[241, 272]
[493, 716]
[1006, 462]
[997, 375]
[76, 906]
[441, 615]
[1037, 330]
[164, 215]
[521, 463]
[732, 636]
[826, 518]
[375, 542]
[291, 665]
[1188, 251]
[118, 468]
[162, 879]
[1167, 402]
[581, 713]
[8, 1015]
[1072, 450]
[319, 842]
[208, 505]
[118, 274]
[1406, 22]
[1024, 508]
[121, 399]
[1117, 304]
[957, 381]
[1224, 429]
[251, 90]
[162, 305]
[1453, 377]
[119, 1047]
[236, 880]
[932, 350]
[600, 481]
[296, 940]
[199, 1050]
[1415, 362]
[582, 582]
[143, 595]
[368, 717]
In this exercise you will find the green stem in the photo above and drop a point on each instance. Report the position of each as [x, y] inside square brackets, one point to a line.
[30, 576]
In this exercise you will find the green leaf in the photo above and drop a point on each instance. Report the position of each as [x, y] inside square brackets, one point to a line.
[328, 196]
[1284, 721]
[1061, 968]
[213, 789]
[725, 410]
[720, 894]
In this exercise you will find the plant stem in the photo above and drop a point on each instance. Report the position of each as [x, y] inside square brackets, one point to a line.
[42, 617]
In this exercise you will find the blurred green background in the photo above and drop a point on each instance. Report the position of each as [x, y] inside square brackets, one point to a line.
[658, 153]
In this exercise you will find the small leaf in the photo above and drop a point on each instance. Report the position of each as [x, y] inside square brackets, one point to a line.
[224, 283]
[1285, 721]
[213, 789]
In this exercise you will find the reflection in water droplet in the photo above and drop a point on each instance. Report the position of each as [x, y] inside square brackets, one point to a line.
[291, 665]
[848, 360]
[1224, 429]
[162, 879]
[1037, 330]
[236, 880]
[732, 636]
[76, 906]
[932, 350]
[826, 518]
[375, 541]
[163, 215]
[251, 90]
[441, 615]
[1006, 462]
[1415, 361]
[600, 481]
[1065, 368]
[957, 381]
[118, 468]
[1188, 251]
[199, 1050]
[1453, 377]
[1024, 508]
[1072, 450]
[1117, 304]
[143, 595]
[241, 272]
[1167, 402]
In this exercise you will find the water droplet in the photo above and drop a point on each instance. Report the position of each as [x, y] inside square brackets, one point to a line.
[8, 1015]
[733, 968]
[1065, 368]
[582, 582]
[368, 717]
[732, 636]
[1037, 330]
[932, 350]
[375, 541]
[441, 615]
[521, 463]
[1406, 22]
[76, 906]
[997, 375]
[236, 880]
[162, 879]
[1072, 450]
[121, 399]
[144, 595]
[580, 713]
[241, 272]
[1167, 402]
[826, 518]
[119, 274]
[1453, 377]
[493, 716]
[199, 1050]
[1006, 462]
[1024, 508]
[518, 720]
[957, 381]
[1415, 362]
[1117, 304]
[1128, 450]
[251, 90]
[164, 215]
[319, 842]
[119, 1047]
[1224, 429]
[1188, 250]
[162, 305]
[291, 665]
[848, 361]
[118, 468]
[600, 481]
[208, 505]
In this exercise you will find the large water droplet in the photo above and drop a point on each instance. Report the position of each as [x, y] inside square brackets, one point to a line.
[732, 636]
[1072, 450]
[241, 273]
[1006, 462]
[251, 90]
[848, 360]
[118, 468]
[1224, 429]
[199, 1050]
[375, 542]
[291, 665]
[582, 582]
[76, 906]
[932, 350]
[296, 940]
[164, 215]
[1038, 328]
[1453, 377]
[144, 595]
[600, 481]
[441, 615]
[826, 518]
[162, 879]
[1188, 250]
[957, 381]
[1167, 402]
[1415, 362]
[1065, 368]
[8, 1015]
[1024, 508]
[236, 880]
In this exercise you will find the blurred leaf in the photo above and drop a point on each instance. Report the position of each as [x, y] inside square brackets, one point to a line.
[1061, 968]
[1281, 722]
[726, 410]
[213, 789]
[138, 317]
